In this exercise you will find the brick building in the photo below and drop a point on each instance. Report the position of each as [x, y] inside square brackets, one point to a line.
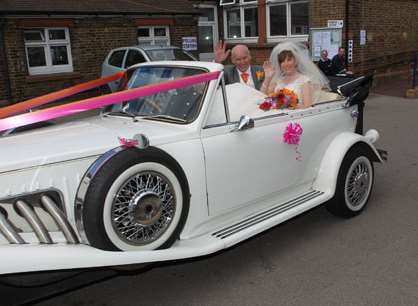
[82, 32]
[49, 45]
[390, 27]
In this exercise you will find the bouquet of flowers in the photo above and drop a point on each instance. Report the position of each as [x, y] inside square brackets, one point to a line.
[284, 98]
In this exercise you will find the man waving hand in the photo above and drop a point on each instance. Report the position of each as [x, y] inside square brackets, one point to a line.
[241, 71]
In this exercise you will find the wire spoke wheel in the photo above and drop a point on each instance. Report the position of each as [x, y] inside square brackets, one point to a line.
[358, 183]
[136, 201]
[143, 208]
[354, 183]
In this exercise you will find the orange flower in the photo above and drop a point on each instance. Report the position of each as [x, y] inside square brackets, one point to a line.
[259, 75]
[283, 98]
[287, 98]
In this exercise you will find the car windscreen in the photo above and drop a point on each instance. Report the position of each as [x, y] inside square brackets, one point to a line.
[169, 55]
[177, 105]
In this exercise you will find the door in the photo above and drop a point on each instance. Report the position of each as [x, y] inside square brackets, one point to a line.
[208, 32]
[250, 166]
[113, 64]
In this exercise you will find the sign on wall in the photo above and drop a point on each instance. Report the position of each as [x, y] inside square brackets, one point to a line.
[189, 43]
[329, 39]
[350, 51]
[338, 24]
[362, 37]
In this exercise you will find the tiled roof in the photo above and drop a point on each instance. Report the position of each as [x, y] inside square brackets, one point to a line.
[33, 7]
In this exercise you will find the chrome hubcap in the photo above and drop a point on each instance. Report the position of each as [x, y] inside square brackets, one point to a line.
[143, 208]
[146, 208]
[358, 183]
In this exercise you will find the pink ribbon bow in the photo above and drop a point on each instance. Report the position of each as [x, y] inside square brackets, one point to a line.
[292, 133]
[128, 143]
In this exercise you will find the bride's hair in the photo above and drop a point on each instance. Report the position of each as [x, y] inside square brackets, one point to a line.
[304, 64]
[284, 55]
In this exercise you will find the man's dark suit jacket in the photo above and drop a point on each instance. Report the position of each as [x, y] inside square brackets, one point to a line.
[231, 75]
[326, 66]
[338, 65]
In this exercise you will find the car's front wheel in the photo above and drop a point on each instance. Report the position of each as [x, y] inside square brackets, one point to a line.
[135, 202]
[354, 183]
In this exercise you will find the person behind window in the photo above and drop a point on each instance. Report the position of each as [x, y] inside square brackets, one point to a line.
[325, 63]
[291, 68]
[241, 71]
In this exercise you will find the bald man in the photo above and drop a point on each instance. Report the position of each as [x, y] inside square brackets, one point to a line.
[241, 71]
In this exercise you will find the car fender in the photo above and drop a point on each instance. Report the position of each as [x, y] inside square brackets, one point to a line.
[102, 160]
[326, 178]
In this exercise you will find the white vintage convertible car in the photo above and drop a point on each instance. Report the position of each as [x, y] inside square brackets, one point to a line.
[208, 169]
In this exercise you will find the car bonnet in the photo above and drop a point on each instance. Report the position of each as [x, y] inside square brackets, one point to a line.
[80, 139]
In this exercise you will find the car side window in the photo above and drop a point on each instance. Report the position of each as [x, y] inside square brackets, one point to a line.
[217, 113]
[116, 58]
[134, 57]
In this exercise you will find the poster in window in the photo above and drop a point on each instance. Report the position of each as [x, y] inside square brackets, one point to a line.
[189, 43]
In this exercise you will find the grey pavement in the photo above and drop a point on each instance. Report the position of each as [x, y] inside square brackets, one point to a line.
[315, 259]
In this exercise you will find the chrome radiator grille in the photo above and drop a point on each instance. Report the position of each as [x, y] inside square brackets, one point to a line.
[25, 209]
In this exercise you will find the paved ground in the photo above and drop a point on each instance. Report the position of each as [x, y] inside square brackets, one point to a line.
[315, 259]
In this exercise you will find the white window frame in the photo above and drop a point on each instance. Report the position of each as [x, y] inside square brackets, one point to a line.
[47, 44]
[278, 38]
[152, 38]
[230, 2]
[242, 6]
[214, 24]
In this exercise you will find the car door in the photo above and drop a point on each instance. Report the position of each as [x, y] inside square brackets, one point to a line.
[113, 64]
[249, 166]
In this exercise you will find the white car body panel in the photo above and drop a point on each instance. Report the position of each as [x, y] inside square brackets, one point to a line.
[102, 135]
[333, 157]
[241, 182]
[61, 256]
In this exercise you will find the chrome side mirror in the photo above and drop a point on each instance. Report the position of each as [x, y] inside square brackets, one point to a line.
[142, 141]
[245, 123]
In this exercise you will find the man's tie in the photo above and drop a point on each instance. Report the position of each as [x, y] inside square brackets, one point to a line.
[244, 77]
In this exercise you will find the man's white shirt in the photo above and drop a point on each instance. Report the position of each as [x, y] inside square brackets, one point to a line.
[250, 81]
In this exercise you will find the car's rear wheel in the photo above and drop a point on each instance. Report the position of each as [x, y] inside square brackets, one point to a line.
[354, 183]
[136, 202]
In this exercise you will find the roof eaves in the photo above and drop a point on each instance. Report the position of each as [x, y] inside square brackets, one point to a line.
[34, 13]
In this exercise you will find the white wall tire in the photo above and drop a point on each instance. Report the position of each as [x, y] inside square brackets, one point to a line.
[126, 240]
[138, 200]
[354, 183]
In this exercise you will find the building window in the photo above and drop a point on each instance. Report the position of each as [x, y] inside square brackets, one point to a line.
[241, 19]
[48, 50]
[154, 35]
[287, 19]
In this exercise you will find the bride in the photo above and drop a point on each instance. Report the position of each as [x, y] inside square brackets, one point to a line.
[290, 67]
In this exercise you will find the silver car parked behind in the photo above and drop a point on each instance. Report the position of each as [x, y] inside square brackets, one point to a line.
[120, 59]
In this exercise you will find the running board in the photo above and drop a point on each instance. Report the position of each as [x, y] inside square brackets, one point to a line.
[260, 217]
[18, 258]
